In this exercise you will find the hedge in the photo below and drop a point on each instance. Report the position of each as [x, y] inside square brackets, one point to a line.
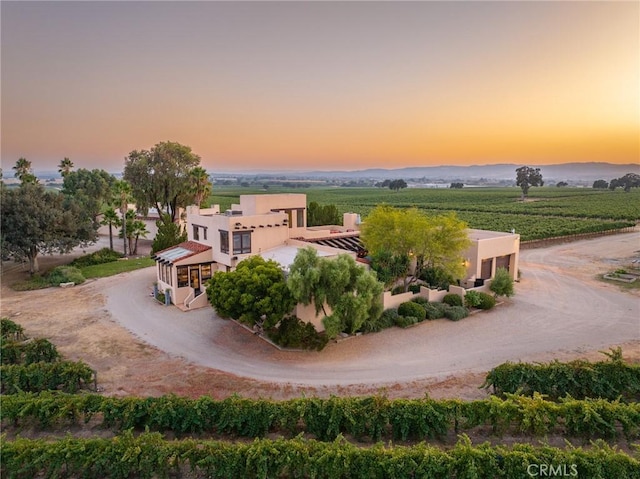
[150, 456]
[366, 418]
[67, 376]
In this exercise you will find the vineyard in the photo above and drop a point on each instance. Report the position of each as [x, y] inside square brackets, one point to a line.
[83, 434]
[549, 212]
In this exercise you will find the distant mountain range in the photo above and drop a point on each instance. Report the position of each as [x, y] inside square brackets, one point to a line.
[560, 172]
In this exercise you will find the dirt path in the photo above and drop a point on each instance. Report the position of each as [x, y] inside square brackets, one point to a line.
[560, 311]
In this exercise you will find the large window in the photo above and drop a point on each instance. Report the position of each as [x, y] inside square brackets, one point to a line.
[196, 232]
[224, 242]
[205, 271]
[300, 215]
[183, 276]
[242, 242]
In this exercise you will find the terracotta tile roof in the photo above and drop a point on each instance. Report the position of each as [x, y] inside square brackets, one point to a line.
[180, 251]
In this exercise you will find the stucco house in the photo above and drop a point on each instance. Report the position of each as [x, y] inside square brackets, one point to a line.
[275, 227]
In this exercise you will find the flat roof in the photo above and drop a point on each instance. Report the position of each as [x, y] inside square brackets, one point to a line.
[486, 234]
[286, 254]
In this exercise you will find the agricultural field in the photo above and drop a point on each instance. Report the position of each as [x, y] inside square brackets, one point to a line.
[548, 212]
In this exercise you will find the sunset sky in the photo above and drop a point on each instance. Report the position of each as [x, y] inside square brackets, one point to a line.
[321, 85]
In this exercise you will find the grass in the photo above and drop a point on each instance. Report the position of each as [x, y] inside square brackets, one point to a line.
[116, 267]
[95, 271]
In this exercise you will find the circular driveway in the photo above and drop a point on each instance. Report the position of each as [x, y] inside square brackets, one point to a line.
[558, 307]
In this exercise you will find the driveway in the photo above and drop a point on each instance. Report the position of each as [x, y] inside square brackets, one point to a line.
[559, 307]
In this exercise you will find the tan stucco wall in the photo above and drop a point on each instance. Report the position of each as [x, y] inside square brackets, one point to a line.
[486, 248]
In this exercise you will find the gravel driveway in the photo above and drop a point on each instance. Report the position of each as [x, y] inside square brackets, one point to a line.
[558, 307]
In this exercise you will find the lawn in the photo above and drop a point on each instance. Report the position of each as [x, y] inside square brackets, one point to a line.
[116, 267]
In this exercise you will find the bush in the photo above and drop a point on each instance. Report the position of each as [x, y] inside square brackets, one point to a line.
[456, 313]
[421, 301]
[486, 301]
[65, 274]
[406, 321]
[502, 283]
[386, 320]
[292, 332]
[435, 310]
[472, 299]
[414, 288]
[105, 255]
[452, 299]
[412, 309]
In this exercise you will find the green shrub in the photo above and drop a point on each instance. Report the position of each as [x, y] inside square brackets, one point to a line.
[472, 299]
[486, 301]
[435, 310]
[105, 255]
[456, 313]
[414, 288]
[65, 274]
[384, 321]
[11, 330]
[412, 309]
[292, 332]
[420, 300]
[406, 321]
[452, 299]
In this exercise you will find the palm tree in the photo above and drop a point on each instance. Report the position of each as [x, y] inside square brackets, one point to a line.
[138, 228]
[200, 185]
[23, 168]
[122, 193]
[65, 167]
[110, 218]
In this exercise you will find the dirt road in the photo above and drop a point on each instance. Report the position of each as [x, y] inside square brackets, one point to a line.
[559, 311]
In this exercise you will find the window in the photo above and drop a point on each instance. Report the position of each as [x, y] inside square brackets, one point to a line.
[242, 242]
[205, 271]
[196, 232]
[224, 242]
[204, 230]
[170, 275]
[300, 218]
[183, 276]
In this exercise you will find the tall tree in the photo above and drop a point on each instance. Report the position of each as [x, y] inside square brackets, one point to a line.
[110, 219]
[122, 197]
[35, 221]
[430, 241]
[200, 184]
[160, 177]
[600, 184]
[24, 172]
[628, 181]
[91, 188]
[169, 234]
[132, 231]
[397, 185]
[65, 167]
[352, 292]
[526, 177]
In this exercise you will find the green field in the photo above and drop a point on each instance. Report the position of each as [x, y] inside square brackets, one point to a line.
[549, 211]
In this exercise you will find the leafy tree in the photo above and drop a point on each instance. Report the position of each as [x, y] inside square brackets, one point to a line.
[526, 177]
[91, 188]
[383, 184]
[110, 218]
[35, 221]
[200, 184]
[169, 234]
[432, 241]
[562, 184]
[390, 267]
[502, 283]
[601, 184]
[457, 185]
[322, 215]
[397, 185]
[160, 177]
[24, 172]
[255, 292]
[628, 181]
[352, 293]
[65, 167]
